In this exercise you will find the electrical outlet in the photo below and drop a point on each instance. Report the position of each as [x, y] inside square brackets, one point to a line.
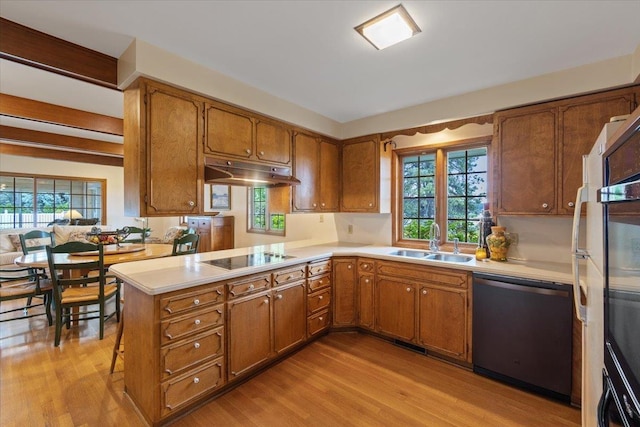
[321, 218]
[350, 229]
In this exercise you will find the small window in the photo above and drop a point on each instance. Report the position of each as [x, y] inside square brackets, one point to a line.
[263, 211]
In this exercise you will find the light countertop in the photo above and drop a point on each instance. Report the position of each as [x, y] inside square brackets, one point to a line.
[163, 275]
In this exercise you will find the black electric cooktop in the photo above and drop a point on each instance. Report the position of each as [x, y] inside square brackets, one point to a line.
[251, 260]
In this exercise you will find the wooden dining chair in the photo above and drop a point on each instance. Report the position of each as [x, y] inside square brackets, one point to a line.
[35, 241]
[139, 235]
[24, 283]
[187, 244]
[77, 288]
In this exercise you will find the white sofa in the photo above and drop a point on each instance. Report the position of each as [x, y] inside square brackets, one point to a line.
[63, 233]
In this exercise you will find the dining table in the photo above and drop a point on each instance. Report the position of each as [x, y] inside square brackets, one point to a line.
[112, 254]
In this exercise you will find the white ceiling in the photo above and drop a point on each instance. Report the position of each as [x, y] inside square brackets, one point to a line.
[308, 53]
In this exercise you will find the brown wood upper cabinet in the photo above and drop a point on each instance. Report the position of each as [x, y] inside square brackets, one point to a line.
[539, 150]
[163, 172]
[234, 133]
[316, 165]
[365, 172]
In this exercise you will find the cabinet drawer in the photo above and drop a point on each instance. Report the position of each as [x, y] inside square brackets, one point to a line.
[318, 300]
[318, 322]
[366, 265]
[315, 283]
[184, 355]
[319, 267]
[190, 300]
[183, 326]
[199, 223]
[431, 275]
[290, 275]
[248, 285]
[183, 390]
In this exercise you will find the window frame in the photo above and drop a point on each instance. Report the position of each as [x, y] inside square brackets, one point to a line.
[250, 215]
[441, 197]
[35, 177]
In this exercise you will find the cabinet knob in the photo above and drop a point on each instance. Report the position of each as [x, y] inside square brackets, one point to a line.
[320, 282]
[370, 205]
[262, 153]
[349, 267]
[196, 380]
[408, 289]
[315, 205]
[191, 203]
[365, 265]
[197, 322]
[196, 301]
[266, 301]
[248, 151]
[320, 318]
[196, 345]
[251, 287]
[545, 205]
[424, 292]
[279, 296]
[571, 204]
[366, 280]
[320, 297]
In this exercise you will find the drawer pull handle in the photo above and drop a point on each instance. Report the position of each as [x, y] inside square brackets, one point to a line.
[320, 297]
[279, 296]
[262, 153]
[197, 322]
[196, 301]
[365, 265]
[196, 380]
[251, 286]
[266, 301]
[320, 318]
[248, 151]
[320, 282]
[196, 345]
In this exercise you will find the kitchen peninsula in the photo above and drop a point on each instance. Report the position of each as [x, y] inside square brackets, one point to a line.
[195, 329]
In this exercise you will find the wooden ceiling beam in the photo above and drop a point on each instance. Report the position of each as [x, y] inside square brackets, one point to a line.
[34, 48]
[36, 152]
[54, 140]
[29, 109]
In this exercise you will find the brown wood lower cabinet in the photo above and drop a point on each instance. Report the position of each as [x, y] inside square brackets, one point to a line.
[216, 232]
[184, 347]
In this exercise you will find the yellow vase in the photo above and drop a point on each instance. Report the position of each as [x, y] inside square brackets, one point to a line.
[498, 243]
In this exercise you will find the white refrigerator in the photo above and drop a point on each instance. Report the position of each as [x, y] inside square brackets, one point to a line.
[588, 270]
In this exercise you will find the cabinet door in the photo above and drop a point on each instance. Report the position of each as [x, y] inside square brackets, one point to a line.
[526, 161]
[249, 322]
[305, 168]
[289, 316]
[360, 176]
[443, 321]
[202, 226]
[344, 291]
[365, 301]
[580, 125]
[173, 135]
[273, 142]
[228, 132]
[396, 307]
[222, 233]
[329, 176]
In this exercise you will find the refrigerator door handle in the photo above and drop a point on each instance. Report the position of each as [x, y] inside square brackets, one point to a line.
[578, 254]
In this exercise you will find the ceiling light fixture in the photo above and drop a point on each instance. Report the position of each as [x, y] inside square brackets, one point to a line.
[389, 28]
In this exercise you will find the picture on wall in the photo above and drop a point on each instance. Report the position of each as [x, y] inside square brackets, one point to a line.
[220, 197]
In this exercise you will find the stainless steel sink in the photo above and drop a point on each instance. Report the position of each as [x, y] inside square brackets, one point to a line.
[412, 254]
[448, 257]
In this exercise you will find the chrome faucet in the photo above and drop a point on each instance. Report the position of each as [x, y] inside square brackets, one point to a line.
[456, 249]
[434, 237]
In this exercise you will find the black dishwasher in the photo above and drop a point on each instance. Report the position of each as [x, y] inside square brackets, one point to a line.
[522, 333]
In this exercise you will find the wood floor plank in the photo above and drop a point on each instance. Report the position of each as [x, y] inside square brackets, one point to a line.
[342, 379]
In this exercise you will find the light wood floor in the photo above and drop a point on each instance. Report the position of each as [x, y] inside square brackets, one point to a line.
[343, 379]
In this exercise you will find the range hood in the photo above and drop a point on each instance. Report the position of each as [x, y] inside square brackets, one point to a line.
[231, 172]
